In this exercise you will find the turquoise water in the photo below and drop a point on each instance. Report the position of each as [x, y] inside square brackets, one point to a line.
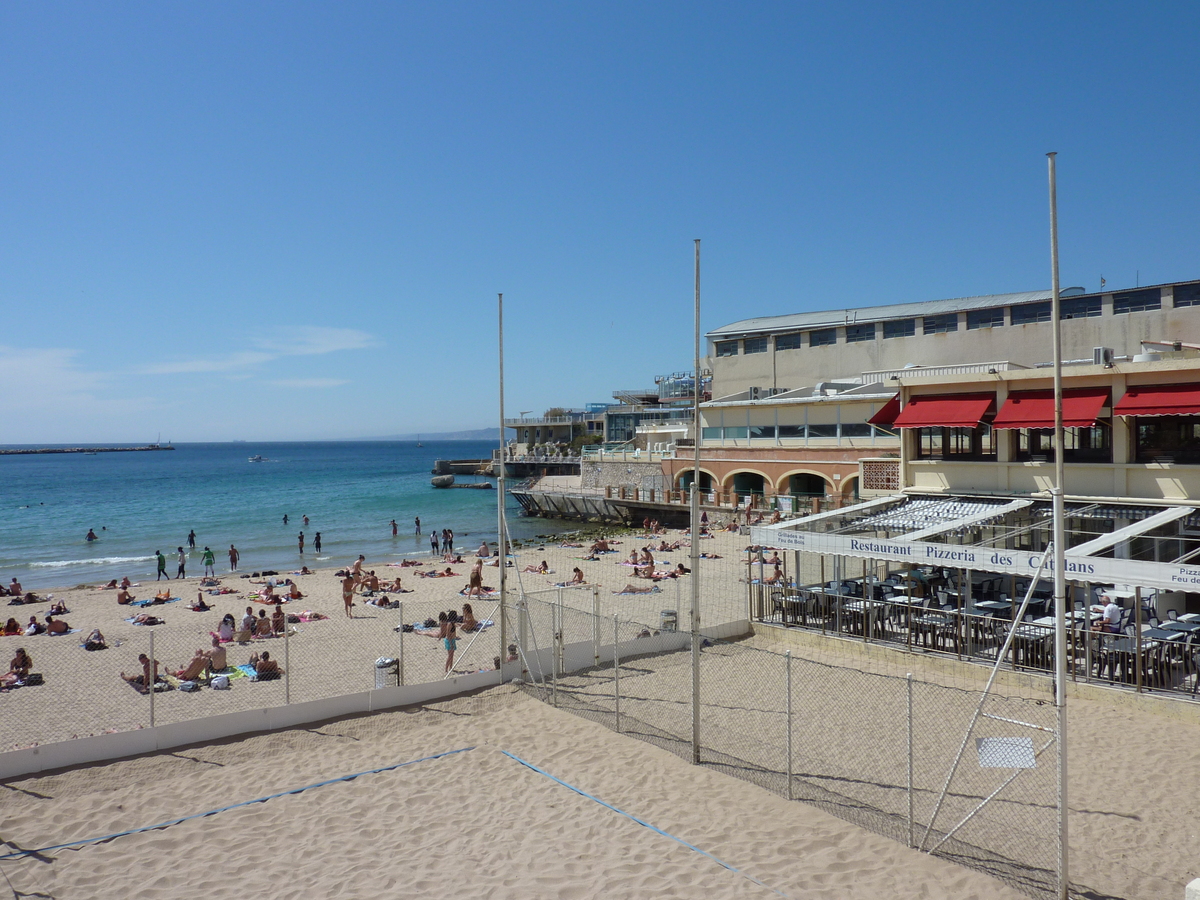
[141, 502]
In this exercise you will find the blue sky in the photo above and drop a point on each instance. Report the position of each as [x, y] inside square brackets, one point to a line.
[290, 220]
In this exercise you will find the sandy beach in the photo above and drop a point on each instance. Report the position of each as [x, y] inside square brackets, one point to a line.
[478, 821]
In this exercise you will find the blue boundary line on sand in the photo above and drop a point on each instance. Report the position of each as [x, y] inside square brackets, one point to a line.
[213, 812]
[644, 823]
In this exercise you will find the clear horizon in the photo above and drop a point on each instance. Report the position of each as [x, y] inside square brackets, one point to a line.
[258, 222]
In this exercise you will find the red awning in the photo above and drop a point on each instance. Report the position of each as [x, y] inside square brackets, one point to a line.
[945, 410]
[886, 417]
[1160, 400]
[1035, 409]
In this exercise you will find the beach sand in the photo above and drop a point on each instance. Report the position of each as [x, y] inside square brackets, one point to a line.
[478, 821]
[475, 823]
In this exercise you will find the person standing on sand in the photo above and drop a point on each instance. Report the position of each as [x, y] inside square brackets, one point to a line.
[448, 541]
[451, 643]
[162, 566]
[348, 593]
[301, 540]
[234, 556]
[475, 583]
[182, 557]
[395, 528]
[210, 563]
[317, 543]
[418, 523]
[192, 539]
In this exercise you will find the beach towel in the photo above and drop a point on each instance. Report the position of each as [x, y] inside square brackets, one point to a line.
[131, 621]
[68, 631]
[485, 593]
[653, 589]
[247, 669]
[152, 601]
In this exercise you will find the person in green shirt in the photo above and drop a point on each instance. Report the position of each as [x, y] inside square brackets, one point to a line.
[210, 563]
[162, 566]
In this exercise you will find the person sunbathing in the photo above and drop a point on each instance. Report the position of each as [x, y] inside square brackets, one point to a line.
[125, 583]
[146, 619]
[18, 669]
[711, 556]
[12, 627]
[34, 627]
[58, 609]
[304, 570]
[198, 605]
[601, 546]
[394, 586]
[225, 630]
[199, 665]
[148, 677]
[111, 586]
[265, 668]
[577, 578]
[569, 544]
[294, 593]
[633, 558]
[217, 657]
[262, 627]
[163, 596]
[633, 589]
[469, 622]
[483, 552]
[278, 620]
[56, 626]
[14, 588]
[95, 641]
[371, 581]
[775, 577]
[540, 569]
[267, 594]
[681, 569]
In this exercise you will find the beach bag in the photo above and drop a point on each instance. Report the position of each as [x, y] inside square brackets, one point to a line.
[430, 623]
[188, 686]
[34, 678]
[220, 683]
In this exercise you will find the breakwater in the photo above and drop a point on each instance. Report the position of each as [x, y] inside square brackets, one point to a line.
[28, 451]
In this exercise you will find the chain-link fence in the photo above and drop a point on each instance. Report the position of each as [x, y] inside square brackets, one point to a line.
[304, 657]
[968, 775]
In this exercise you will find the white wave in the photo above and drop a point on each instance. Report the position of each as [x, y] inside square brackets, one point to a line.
[98, 561]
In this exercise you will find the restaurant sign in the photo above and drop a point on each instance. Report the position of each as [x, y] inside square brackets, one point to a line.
[1166, 576]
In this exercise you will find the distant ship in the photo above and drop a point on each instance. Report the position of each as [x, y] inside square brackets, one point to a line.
[257, 458]
[419, 444]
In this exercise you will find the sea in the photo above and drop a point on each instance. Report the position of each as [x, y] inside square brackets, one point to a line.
[140, 502]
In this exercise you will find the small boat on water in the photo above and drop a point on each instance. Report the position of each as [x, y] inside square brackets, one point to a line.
[257, 458]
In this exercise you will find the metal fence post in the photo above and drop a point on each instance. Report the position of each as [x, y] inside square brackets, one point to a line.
[400, 648]
[617, 672]
[596, 624]
[287, 665]
[910, 760]
[788, 670]
[556, 635]
[153, 678]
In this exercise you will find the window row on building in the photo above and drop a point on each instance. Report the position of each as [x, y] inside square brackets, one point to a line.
[1163, 423]
[1077, 307]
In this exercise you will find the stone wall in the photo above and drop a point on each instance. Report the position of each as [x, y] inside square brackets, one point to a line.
[627, 474]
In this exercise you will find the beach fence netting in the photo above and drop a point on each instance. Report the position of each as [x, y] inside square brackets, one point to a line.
[82, 692]
[968, 776]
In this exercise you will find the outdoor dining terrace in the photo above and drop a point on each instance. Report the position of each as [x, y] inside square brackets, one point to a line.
[939, 611]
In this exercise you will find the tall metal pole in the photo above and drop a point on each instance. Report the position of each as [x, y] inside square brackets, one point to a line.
[695, 519]
[500, 524]
[1060, 545]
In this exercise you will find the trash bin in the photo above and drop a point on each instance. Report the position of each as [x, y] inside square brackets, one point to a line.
[387, 672]
[667, 620]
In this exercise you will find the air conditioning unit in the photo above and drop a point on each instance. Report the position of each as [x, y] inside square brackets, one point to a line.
[1102, 356]
[755, 393]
